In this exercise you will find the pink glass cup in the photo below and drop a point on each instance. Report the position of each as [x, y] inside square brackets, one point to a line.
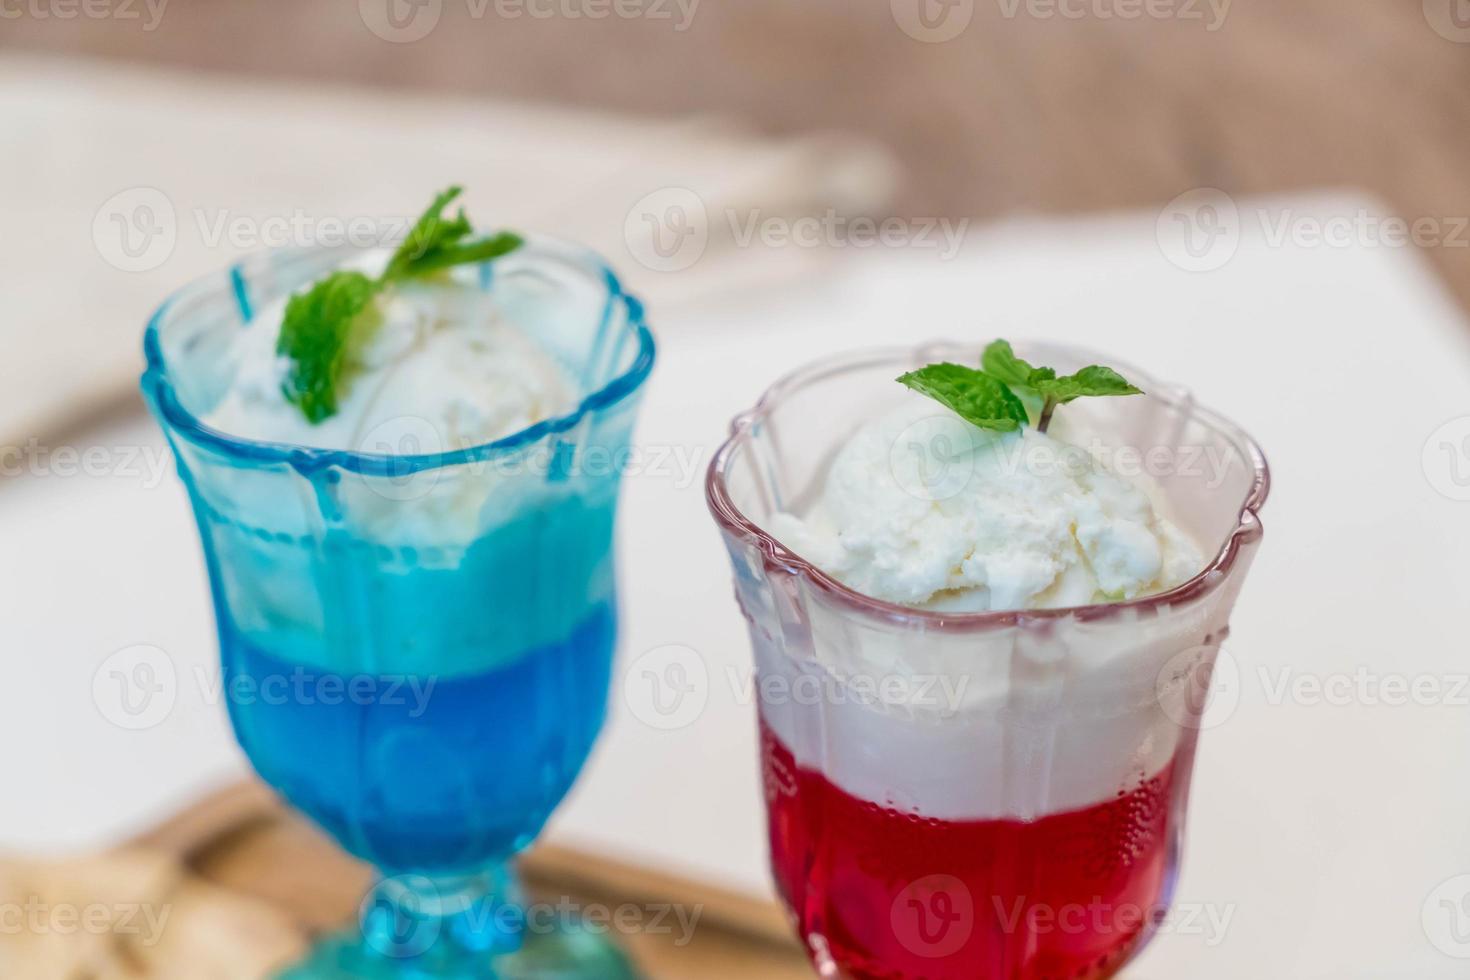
[979, 795]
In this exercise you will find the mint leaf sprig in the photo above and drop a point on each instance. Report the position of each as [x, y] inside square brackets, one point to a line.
[974, 395]
[985, 397]
[324, 323]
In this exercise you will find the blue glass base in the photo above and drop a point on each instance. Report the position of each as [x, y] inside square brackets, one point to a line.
[472, 928]
[566, 954]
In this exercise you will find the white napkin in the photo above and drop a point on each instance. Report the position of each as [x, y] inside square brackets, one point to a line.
[119, 184]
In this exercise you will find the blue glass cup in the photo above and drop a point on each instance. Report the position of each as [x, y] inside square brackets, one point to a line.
[416, 638]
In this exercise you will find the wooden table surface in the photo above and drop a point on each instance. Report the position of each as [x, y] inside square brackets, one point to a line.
[239, 886]
[1024, 110]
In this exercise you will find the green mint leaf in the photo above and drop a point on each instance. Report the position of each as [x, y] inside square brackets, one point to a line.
[973, 395]
[434, 243]
[985, 397]
[315, 335]
[1092, 381]
[429, 233]
[481, 250]
[324, 323]
[1002, 364]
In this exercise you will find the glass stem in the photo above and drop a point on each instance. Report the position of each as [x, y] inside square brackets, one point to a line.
[439, 924]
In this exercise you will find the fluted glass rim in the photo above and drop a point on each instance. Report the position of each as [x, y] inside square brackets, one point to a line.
[1238, 543]
[158, 387]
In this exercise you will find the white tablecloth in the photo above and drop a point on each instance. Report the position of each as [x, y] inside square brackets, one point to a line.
[1321, 827]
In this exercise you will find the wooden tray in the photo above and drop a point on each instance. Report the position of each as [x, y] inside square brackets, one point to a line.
[246, 885]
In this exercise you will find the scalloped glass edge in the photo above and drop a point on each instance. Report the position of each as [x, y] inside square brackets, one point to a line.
[159, 390]
[1248, 529]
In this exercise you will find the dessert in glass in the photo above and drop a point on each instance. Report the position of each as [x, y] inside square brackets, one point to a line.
[980, 657]
[413, 581]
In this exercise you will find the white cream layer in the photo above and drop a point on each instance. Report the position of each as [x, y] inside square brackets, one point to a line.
[441, 367]
[922, 508]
